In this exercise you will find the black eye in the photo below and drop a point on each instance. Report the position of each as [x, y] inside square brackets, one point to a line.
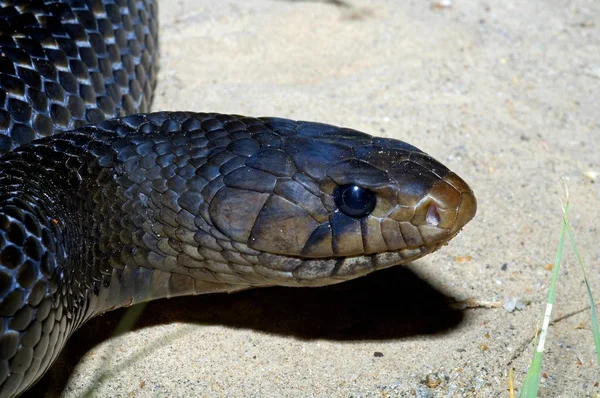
[354, 201]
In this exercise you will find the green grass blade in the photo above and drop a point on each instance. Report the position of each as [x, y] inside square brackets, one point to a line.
[595, 329]
[532, 380]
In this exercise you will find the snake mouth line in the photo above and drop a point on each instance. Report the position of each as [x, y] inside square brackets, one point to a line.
[325, 271]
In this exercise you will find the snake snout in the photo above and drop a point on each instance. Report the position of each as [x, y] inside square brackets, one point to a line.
[450, 206]
[467, 206]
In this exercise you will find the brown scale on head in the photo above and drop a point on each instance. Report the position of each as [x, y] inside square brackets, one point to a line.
[328, 204]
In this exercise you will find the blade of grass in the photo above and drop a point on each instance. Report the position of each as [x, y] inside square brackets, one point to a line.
[532, 380]
[595, 329]
[129, 319]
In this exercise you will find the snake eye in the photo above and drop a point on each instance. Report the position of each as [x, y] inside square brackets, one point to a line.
[354, 201]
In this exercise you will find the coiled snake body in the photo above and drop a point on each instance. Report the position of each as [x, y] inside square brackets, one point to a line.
[144, 206]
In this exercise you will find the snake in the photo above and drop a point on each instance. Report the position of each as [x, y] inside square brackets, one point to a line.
[104, 205]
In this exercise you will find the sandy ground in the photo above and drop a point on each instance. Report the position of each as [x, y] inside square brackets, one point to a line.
[504, 93]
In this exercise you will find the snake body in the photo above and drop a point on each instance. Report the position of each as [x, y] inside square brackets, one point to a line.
[111, 207]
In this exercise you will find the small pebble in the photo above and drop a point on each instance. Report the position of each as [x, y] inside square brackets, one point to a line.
[512, 303]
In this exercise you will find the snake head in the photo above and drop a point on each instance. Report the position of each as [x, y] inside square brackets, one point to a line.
[319, 204]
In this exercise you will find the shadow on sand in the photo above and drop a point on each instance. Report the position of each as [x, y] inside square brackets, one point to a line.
[387, 305]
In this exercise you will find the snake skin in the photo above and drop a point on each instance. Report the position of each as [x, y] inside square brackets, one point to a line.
[166, 204]
[66, 64]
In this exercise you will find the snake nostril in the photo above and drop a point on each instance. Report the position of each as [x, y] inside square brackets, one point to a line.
[433, 216]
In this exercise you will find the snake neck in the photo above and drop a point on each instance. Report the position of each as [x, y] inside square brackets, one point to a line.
[44, 289]
[45, 224]
[71, 233]
[61, 261]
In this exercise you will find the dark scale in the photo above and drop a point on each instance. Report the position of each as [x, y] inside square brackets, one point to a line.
[48, 83]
